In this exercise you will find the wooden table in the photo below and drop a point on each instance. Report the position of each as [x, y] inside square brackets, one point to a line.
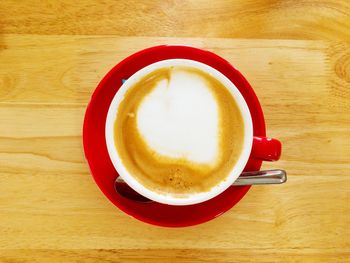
[296, 54]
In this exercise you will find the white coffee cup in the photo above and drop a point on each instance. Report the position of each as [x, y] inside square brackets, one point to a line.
[171, 199]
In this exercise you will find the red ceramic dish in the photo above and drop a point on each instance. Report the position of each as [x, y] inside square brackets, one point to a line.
[102, 168]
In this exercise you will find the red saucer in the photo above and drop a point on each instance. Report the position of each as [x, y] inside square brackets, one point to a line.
[102, 168]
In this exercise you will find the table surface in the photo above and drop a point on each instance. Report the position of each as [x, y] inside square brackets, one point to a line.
[296, 54]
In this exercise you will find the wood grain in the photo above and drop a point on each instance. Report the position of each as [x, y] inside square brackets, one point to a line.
[273, 19]
[296, 55]
[177, 255]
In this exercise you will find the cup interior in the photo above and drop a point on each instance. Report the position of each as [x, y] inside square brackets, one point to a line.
[169, 198]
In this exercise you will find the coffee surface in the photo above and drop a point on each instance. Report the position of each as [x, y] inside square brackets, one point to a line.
[178, 130]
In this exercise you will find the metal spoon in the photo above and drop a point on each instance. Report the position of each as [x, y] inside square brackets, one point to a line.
[246, 178]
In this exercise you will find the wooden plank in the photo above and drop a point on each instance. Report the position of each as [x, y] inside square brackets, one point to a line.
[176, 255]
[306, 78]
[317, 144]
[67, 69]
[305, 19]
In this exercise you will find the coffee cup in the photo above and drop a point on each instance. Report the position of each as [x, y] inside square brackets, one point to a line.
[179, 132]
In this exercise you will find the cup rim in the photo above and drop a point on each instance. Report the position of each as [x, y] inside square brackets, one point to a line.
[171, 199]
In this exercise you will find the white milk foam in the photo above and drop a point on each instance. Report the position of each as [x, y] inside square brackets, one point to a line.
[179, 118]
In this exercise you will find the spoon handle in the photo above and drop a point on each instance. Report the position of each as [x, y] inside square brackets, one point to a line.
[262, 177]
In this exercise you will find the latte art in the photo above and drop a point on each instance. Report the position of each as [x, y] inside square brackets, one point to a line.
[179, 118]
[178, 130]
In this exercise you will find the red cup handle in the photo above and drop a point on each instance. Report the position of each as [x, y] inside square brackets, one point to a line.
[266, 149]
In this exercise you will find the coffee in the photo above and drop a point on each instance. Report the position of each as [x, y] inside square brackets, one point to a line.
[179, 130]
